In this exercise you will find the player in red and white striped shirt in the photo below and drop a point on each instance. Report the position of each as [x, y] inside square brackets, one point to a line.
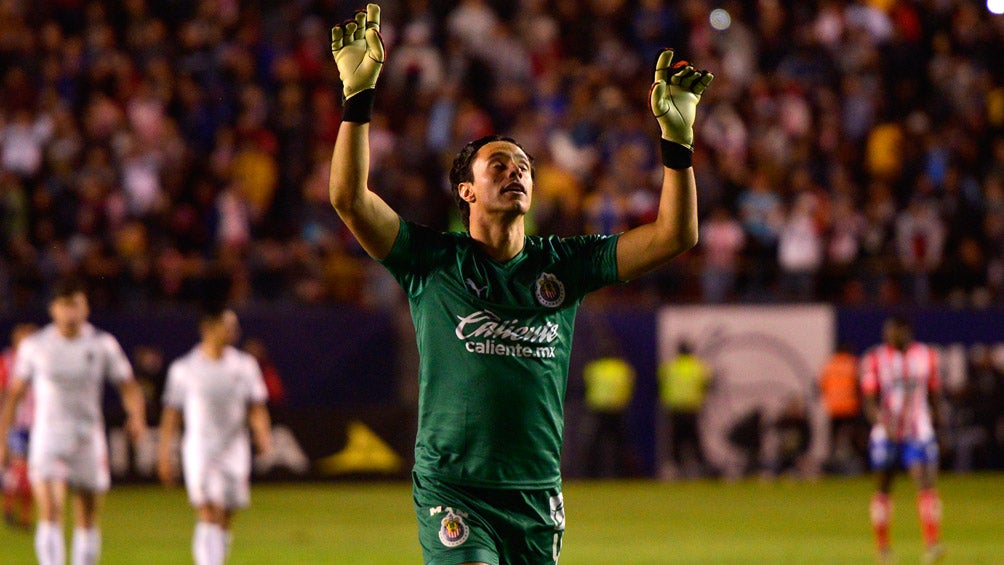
[901, 386]
[17, 499]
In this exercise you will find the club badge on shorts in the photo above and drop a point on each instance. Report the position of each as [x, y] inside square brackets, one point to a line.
[453, 531]
[549, 290]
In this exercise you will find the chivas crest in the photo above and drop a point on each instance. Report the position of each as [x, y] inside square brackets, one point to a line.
[549, 290]
[453, 531]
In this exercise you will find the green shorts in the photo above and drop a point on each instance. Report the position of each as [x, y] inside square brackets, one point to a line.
[459, 524]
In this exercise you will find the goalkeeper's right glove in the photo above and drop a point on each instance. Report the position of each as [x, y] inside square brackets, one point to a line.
[674, 99]
[358, 51]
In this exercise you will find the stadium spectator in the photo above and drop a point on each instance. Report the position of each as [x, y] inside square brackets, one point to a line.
[201, 123]
[901, 389]
[17, 498]
[66, 364]
[966, 276]
[762, 216]
[722, 241]
[683, 385]
[491, 300]
[920, 242]
[843, 249]
[800, 250]
[219, 393]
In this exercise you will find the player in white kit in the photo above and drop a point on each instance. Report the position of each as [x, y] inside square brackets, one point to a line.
[66, 363]
[220, 393]
[901, 388]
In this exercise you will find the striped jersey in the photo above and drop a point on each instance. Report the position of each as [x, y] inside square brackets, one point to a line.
[901, 381]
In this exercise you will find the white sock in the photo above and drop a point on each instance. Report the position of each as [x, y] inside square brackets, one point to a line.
[86, 546]
[202, 545]
[49, 544]
[218, 544]
[228, 539]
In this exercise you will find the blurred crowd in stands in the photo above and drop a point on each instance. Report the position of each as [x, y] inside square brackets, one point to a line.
[849, 150]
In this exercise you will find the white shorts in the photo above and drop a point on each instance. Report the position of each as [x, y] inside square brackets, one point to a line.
[213, 484]
[82, 464]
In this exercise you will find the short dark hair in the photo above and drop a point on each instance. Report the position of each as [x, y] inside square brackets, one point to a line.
[214, 293]
[900, 321]
[210, 313]
[68, 287]
[462, 172]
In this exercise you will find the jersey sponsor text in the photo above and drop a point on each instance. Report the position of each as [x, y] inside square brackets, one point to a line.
[484, 331]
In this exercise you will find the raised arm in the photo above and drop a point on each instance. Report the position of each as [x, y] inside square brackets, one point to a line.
[674, 99]
[358, 50]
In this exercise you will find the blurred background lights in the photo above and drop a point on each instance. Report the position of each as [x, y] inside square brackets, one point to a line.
[995, 7]
[721, 20]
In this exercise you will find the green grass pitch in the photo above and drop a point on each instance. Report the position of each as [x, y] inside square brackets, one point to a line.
[635, 522]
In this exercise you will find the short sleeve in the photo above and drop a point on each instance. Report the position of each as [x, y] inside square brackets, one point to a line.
[174, 389]
[118, 368]
[255, 382]
[417, 251]
[24, 368]
[589, 260]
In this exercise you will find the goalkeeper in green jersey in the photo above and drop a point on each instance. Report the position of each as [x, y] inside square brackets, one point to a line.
[494, 310]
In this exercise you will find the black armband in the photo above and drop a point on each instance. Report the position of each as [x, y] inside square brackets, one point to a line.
[675, 155]
[359, 108]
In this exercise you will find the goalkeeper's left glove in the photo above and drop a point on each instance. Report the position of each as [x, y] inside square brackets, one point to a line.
[359, 53]
[674, 96]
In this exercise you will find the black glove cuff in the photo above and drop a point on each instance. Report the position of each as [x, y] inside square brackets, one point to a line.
[675, 155]
[359, 108]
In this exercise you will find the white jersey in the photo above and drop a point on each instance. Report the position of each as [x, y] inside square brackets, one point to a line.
[213, 396]
[25, 412]
[901, 381]
[67, 377]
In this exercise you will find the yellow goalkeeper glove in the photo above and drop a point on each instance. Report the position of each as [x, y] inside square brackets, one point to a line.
[358, 51]
[674, 96]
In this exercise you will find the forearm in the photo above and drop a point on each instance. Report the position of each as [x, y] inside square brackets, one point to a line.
[350, 163]
[674, 230]
[261, 427]
[133, 402]
[936, 412]
[9, 406]
[169, 422]
[871, 409]
[374, 223]
[677, 217]
[6, 416]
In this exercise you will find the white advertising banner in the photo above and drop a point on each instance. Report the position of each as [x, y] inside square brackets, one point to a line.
[765, 361]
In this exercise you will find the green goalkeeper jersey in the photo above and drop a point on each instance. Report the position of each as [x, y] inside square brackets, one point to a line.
[494, 340]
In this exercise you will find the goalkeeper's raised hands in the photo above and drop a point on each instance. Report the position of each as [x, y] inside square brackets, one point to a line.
[358, 51]
[674, 96]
